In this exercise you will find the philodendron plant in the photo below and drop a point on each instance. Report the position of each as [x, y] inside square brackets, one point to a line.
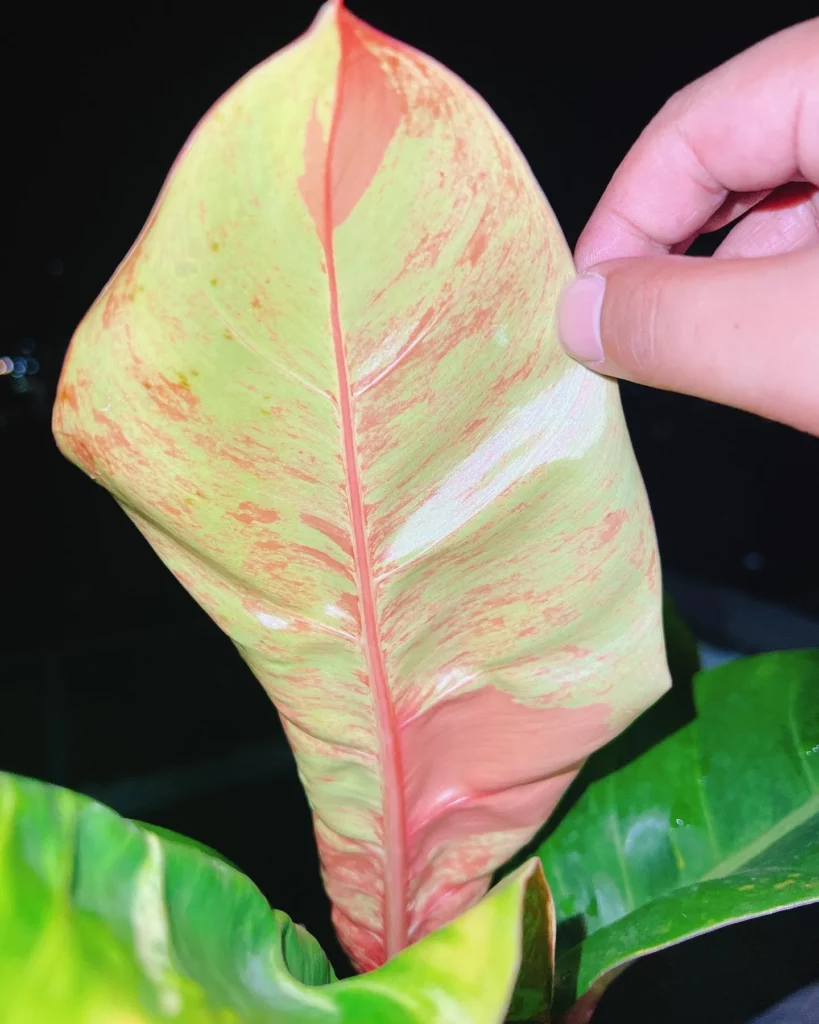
[325, 385]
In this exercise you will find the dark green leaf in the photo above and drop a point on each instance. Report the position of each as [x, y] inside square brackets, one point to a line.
[717, 823]
[680, 646]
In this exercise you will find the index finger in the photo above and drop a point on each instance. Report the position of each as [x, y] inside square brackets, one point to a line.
[748, 126]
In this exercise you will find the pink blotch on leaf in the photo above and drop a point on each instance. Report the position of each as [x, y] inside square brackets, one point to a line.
[314, 555]
[249, 512]
[481, 763]
[366, 116]
[176, 400]
[349, 603]
[339, 537]
[612, 523]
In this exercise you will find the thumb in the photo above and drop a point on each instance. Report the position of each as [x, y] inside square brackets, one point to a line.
[742, 332]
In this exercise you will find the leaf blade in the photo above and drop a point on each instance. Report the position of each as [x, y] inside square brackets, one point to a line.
[702, 854]
[103, 920]
[350, 261]
[707, 906]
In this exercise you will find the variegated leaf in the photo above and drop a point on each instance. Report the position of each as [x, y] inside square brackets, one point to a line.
[325, 385]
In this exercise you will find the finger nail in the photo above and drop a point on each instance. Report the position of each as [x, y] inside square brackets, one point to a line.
[578, 318]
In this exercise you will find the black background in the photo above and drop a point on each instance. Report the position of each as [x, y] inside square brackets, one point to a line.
[113, 681]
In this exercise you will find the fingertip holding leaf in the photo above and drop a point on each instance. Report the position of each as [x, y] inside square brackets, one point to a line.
[325, 384]
[103, 921]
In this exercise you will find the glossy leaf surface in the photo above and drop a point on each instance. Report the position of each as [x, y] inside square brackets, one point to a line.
[325, 385]
[103, 921]
[176, 837]
[718, 823]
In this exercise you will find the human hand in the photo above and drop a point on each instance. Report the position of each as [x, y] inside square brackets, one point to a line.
[741, 327]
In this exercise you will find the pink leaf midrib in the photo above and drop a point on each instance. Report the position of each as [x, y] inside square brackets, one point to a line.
[393, 799]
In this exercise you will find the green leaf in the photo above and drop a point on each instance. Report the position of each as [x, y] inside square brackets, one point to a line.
[680, 646]
[716, 824]
[175, 837]
[534, 988]
[106, 922]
